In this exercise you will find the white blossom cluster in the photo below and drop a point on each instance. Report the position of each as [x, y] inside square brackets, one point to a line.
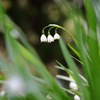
[74, 86]
[49, 38]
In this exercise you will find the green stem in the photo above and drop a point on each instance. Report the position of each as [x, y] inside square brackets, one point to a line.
[44, 29]
[56, 30]
[57, 26]
[49, 30]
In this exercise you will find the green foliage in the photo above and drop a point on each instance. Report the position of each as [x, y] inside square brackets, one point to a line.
[20, 56]
[88, 51]
[45, 88]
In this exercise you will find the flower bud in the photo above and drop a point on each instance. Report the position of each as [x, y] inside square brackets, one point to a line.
[73, 85]
[76, 97]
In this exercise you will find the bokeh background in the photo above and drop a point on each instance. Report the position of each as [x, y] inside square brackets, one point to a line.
[32, 16]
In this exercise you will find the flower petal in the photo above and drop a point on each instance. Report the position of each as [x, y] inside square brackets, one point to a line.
[56, 36]
[43, 38]
[50, 39]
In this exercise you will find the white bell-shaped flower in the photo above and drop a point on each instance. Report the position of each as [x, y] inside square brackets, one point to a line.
[56, 36]
[76, 97]
[43, 38]
[73, 86]
[50, 39]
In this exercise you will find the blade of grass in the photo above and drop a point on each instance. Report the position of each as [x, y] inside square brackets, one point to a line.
[93, 47]
[13, 55]
[42, 70]
[74, 50]
[67, 70]
[71, 73]
[73, 67]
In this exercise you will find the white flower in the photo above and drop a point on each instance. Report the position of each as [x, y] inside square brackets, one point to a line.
[56, 36]
[15, 84]
[76, 97]
[2, 93]
[50, 39]
[73, 85]
[43, 38]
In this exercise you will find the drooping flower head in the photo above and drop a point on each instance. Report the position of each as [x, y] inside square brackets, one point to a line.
[56, 36]
[43, 38]
[50, 39]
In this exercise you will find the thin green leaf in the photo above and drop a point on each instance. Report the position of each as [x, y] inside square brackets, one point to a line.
[74, 50]
[77, 60]
[42, 70]
[73, 67]
[67, 70]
